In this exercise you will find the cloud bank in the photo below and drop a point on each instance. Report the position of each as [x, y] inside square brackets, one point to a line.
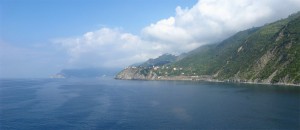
[208, 21]
[29, 62]
[108, 47]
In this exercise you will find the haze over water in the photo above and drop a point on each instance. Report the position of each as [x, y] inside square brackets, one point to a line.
[106, 103]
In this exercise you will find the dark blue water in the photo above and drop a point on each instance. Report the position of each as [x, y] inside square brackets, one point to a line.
[116, 104]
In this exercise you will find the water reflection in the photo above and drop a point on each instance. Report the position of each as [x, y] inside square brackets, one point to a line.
[118, 104]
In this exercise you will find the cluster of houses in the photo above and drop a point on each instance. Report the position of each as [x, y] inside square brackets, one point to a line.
[158, 68]
[154, 67]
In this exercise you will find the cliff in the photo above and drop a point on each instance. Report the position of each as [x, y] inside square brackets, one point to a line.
[136, 73]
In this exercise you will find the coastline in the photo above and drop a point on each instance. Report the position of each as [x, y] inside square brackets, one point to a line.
[203, 78]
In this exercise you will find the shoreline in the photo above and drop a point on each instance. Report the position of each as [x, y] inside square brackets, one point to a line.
[206, 79]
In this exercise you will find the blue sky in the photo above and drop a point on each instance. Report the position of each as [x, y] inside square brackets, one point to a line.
[38, 38]
[28, 26]
[29, 21]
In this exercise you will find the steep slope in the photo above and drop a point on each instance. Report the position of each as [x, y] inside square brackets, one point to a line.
[161, 60]
[268, 54]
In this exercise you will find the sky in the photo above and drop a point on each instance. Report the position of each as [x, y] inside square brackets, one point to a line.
[38, 38]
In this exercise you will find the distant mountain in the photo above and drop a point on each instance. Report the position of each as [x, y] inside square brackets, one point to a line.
[267, 54]
[86, 73]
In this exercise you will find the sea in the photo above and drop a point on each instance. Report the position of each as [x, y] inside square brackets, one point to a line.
[106, 103]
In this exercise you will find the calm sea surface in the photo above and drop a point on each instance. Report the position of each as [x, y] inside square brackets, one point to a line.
[117, 104]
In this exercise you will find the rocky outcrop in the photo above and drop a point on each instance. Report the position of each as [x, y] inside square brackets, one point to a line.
[136, 73]
[130, 73]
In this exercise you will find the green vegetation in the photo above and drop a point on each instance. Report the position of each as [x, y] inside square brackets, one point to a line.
[270, 54]
[161, 60]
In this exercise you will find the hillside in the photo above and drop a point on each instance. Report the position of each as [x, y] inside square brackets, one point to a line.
[267, 54]
[161, 60]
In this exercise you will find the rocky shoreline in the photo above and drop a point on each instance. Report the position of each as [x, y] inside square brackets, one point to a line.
[135, 74]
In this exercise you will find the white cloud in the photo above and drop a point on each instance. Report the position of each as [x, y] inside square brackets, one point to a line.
[108, 48]
[213, 20]
[207, 21]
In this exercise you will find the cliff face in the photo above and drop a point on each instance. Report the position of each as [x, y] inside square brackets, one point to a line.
[135, 73]
[269, 54]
